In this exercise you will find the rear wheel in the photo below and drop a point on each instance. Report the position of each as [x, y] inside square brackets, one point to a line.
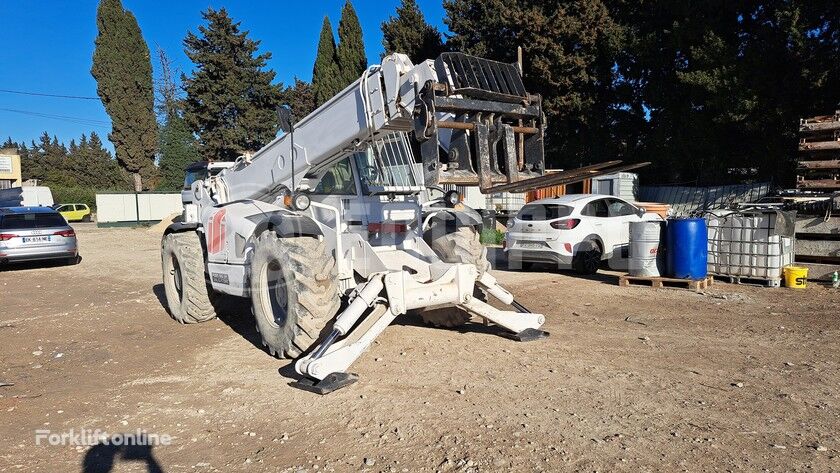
[188, 295]
[294, 292]
[587, 258]
[459, 246]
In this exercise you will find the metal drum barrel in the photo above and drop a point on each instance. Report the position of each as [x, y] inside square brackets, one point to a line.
[688, 248]
[646, 257]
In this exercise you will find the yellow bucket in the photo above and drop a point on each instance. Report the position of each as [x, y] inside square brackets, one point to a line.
[795, 276]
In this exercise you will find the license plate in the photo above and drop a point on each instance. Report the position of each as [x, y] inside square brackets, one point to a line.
[534, 245]
[36, 239]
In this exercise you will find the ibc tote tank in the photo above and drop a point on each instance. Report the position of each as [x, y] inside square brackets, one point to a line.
[646, 255]
[688, 251]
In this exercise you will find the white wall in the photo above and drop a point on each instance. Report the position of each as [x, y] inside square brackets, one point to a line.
[123, 207]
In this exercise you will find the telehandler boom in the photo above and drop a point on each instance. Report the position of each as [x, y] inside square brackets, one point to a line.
[331, 229]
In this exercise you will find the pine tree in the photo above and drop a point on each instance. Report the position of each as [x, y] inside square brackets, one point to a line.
[106, 173]
[300, 98]
[564, 45]
[231, 100]
[350, 52]
[326, 76]
[408, 33]
[178, 147]
[89, 165]
[123, 72]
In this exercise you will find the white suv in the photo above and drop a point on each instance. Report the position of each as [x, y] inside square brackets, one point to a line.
[578, 231]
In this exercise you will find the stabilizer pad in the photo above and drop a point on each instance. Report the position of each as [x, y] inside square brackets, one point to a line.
[527, 335]
[332, 382]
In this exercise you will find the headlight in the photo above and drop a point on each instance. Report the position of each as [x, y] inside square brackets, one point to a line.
[452, 198]
[300, 202]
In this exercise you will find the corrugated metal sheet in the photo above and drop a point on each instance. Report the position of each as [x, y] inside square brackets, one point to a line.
[622, 184]
[688, 200]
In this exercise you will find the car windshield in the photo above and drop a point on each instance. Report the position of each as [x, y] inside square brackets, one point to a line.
[544, 212]
[31, 221]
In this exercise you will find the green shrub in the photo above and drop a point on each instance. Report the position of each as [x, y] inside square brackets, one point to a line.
[491, 236]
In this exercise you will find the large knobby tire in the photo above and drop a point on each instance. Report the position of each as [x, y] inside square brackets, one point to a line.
[460, 246]
[294, 292]
[188, 295]
[587, 258]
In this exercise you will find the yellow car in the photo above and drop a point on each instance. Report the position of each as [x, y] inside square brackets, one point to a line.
[74, 212]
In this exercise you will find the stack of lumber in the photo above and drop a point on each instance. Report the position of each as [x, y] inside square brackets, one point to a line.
[818, 167]
[818, 245]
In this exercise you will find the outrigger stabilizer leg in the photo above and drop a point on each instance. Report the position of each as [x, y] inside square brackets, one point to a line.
[325, 368]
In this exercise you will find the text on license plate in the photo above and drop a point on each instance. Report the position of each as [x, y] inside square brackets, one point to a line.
[36, 239]
[531, 245]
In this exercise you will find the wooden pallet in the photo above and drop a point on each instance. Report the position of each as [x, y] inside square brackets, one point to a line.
[697, 285]
[772, 282]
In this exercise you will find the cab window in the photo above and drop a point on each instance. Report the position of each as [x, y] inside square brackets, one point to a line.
[337, 180]
[193, 176]
[619, 208]
[596, 208]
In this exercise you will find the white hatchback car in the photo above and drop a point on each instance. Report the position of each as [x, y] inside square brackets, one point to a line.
[577, 231]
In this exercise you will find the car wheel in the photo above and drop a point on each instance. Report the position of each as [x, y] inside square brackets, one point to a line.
[86, 218]
[587, 258]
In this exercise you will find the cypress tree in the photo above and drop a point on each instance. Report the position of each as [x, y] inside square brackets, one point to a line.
[350, 53]
[408, 33]
[326, 76]
[123, 72]
[231, 100]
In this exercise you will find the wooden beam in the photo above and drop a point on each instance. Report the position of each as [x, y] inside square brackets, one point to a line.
[819, 164]
[819, 146]
[563, 178]
[819, 225]
[819, 126]
[818, 184]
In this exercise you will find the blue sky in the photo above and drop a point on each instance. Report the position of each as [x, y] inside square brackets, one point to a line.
[48, 45]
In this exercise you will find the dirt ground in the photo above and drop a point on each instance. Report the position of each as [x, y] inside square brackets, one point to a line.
[631, 379]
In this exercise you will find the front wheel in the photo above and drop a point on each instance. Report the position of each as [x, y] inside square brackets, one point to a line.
[188, 295]
[294, 292]
[587, 258]
[460, 246]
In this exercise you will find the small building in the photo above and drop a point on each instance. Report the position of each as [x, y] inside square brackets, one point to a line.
[9, 168]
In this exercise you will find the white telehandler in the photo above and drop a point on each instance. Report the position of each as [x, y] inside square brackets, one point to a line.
[331, 231]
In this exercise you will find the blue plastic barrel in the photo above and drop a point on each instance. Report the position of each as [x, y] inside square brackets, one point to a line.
[687, 248]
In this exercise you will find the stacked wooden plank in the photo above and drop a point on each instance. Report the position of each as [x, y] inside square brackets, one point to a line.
[818, 245]
[818, 167]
